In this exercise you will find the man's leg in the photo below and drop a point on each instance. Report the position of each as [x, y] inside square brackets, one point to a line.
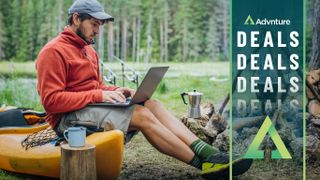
[159, 136]
[171, 122]
[168, 141]
[200, 148]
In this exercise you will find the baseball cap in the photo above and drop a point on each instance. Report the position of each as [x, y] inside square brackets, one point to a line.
[91, 7]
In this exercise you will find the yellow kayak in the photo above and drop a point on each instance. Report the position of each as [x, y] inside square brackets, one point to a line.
[45, 160]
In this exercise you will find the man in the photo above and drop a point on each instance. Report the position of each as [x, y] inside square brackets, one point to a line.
[69, 79]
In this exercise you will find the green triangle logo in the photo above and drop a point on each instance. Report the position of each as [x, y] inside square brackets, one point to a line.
[267, 127]
[249, 21]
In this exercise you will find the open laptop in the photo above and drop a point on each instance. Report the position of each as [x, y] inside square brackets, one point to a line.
[145, 90]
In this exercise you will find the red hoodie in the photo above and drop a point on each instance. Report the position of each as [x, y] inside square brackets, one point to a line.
[68, 76]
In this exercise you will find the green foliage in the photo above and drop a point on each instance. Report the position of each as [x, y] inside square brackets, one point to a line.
[27, 25]
[20, 92]
[162, 87]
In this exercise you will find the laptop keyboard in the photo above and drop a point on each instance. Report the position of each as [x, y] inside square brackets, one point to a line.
[127, 101]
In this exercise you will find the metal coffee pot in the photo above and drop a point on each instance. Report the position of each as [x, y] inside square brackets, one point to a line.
[194, 103]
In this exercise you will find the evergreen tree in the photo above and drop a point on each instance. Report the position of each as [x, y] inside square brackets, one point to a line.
[25, 42]
[149, 30]
[2, 37]
[213, 40]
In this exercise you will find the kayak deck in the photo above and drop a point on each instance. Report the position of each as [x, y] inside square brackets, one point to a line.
[45, 160]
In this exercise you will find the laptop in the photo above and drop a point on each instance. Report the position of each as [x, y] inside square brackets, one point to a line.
[144, 91]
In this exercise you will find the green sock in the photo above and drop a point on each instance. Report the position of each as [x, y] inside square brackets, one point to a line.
[202, 149]
[196, 162]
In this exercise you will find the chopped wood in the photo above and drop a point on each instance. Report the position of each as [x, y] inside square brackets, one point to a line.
[312, 82]
[313, 77]
[314, 107]
[310, 93]
[215, 125]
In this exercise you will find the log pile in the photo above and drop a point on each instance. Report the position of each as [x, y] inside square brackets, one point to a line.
[213, 128]
[313, 116]
[210, 127]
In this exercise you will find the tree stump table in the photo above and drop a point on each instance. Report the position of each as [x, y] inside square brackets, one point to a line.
[78, 163]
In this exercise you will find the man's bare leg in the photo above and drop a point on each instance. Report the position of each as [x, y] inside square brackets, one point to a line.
[171, 122]
[159, 136]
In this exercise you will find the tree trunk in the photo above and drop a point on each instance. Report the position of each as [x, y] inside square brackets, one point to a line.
[60, 14]
[184, 43]
[118, 39]
[124, 31]
[138, 40]
[315, 58]
[161, 41]
[110, 41]
[225, 29]
[101, 43]
[166, 32]
[134, 38]
[149, 39]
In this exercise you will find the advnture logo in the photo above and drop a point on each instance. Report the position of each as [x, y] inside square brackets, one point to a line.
[267, 127]
[249, 21]
[267, 22]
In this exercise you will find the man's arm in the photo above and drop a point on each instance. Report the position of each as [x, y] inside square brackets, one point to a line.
[52, 75]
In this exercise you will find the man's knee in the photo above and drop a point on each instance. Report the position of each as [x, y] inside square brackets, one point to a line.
[142, 117]
[152, 103]
[141, 111]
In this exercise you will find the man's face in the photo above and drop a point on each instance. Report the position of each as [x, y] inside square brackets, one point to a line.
[88, 29]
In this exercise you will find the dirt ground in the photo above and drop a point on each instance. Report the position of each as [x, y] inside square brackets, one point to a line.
[142, 161]
[275, 170]
[313, 171]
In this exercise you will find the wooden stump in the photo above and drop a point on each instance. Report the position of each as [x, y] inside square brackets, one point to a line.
[78, 163]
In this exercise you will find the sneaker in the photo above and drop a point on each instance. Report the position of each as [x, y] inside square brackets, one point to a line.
[217, 166]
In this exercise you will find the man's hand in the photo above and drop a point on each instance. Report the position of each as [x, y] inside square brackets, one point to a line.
[127, 92]
[113, 96]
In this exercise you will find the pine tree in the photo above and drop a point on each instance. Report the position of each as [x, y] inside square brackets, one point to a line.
[156, 30]
[25, 40]
[2, 37]
[213, 40]
[181, 25]
[12, 14]
[217, 43]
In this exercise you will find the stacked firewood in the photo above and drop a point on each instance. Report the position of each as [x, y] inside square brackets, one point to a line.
[210, 127]
[313, 116]
[213, 128]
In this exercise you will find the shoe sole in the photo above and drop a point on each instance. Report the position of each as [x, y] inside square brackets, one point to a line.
[238, 167]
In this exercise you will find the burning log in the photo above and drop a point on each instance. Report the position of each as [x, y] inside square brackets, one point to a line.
[241, 123]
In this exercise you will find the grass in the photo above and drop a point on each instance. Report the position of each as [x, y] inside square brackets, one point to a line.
[20, 92]
[27, 69]
[141, 159]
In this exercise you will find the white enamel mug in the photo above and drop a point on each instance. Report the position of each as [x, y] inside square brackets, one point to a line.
[76, 136]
